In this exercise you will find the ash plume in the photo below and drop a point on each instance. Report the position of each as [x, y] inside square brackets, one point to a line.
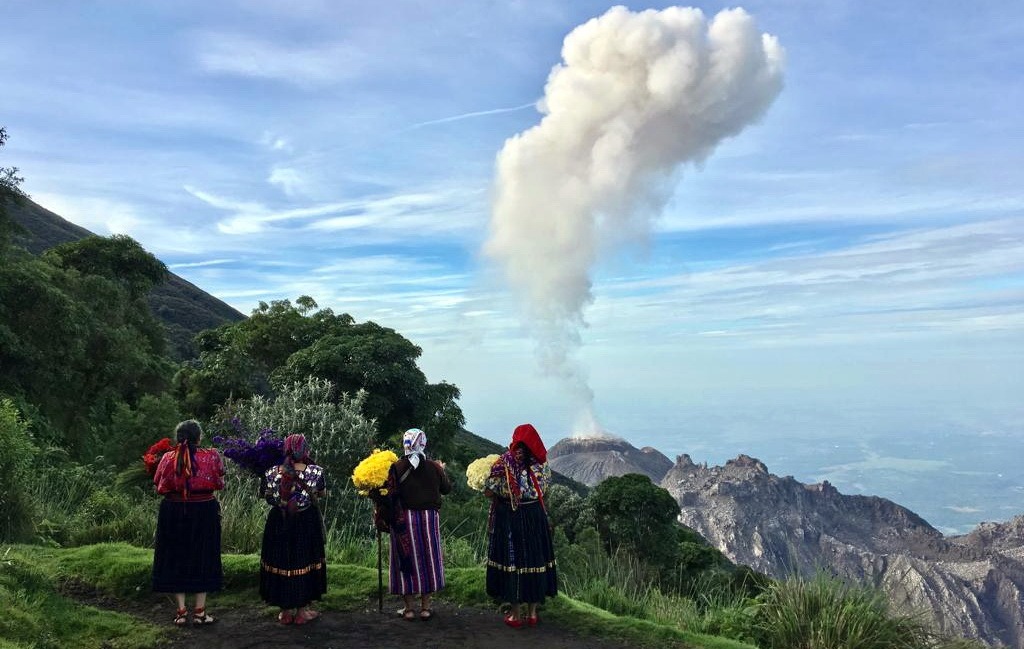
[636, 97]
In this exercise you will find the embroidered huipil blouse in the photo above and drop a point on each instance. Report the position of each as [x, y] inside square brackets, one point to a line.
[499, 486]
[207, 475]
[312, 475]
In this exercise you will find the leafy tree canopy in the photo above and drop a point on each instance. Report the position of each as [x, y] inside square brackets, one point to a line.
[76, 346]
[10, 191]
[634, 514]
[281, 343]
[117, 258]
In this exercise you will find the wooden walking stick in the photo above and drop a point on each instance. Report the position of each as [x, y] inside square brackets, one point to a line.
[380, 577]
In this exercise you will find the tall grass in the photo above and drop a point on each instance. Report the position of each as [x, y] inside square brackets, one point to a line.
[825, 612]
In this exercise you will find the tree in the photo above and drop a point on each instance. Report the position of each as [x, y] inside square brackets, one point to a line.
[76, 345]
[10, 192]
[339, 437]
[16, 456]
[281, 344]
[118, 258]
[638, 516]
[568, 511]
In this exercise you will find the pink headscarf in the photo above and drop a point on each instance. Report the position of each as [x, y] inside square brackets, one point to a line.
[295, 450]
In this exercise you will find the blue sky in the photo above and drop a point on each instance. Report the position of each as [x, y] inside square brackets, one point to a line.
[849, 266]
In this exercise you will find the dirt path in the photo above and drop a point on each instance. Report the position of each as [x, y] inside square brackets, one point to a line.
[451, 627]
[256, 627]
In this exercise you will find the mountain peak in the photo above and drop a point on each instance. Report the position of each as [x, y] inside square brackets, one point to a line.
[593, 457]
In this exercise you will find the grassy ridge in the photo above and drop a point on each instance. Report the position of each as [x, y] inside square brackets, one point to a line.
[35, 614]
[34, 607]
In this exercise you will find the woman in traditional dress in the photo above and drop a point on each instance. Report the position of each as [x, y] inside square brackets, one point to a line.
[416, 558]
[186, 555]
[520, 553]
[293, 565]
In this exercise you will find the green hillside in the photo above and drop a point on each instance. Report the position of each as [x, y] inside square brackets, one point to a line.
[182, 308]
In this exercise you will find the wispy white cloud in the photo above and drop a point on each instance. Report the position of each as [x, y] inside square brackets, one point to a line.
[274, 142]
[948, 280]
[247, 56]
[470, 115]
[863, 209]
[877, 462]
[960, 509]
[289, 180]
[443, 212]
[201, 264]
[374, 266]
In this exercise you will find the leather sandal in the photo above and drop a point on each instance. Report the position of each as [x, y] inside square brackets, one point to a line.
[180, 617]
[200, 617]
[407, 614]
[306, 615]
[426, 614]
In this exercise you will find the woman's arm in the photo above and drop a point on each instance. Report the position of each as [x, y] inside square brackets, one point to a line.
[445, 486]
[270, 486]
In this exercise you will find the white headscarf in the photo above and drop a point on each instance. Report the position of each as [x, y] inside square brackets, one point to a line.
[414, 441]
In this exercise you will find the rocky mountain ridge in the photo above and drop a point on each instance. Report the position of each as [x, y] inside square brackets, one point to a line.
[971, 585]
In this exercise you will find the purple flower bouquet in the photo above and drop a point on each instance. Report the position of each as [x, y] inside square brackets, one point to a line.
[256, 458]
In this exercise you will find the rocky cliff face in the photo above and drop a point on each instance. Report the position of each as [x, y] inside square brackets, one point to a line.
[972, 585]
[592, 459]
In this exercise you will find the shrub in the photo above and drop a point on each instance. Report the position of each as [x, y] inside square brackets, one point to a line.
[17, 453]
[339, 436]
[827, 613]
[110, 515]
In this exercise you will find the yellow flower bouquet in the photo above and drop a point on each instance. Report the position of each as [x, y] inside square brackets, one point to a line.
[371, 474]
[479, 470]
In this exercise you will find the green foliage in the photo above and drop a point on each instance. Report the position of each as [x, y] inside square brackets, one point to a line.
[118, 258]
[827, 613]
[637, 515]
[339, 437]
[334, 425]
[76, 346]
[133, 429]
[36, 615]
[109, 515]
[17, 455]
[10, 193]
[281, 343]
[242, 514]
[59, 488]
[569, 512]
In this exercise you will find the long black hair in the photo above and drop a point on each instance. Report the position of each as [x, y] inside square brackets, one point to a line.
[187, 433]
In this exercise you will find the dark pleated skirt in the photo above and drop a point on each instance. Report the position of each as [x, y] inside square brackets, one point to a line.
[293, 567]
[186, 556]
[427, 570]
[520, 554]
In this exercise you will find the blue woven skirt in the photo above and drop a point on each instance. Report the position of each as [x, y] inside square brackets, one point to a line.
[186, 555]
[293, 564]
[520, 554]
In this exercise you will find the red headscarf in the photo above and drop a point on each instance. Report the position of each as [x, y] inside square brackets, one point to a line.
[529, 436]
[507, 468]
